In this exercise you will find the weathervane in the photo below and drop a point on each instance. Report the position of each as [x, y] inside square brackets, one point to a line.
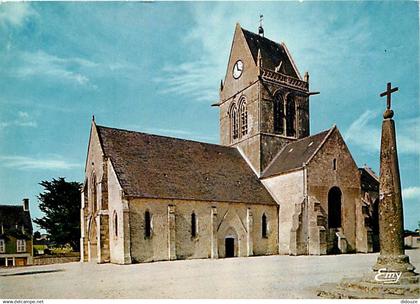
[260, 28]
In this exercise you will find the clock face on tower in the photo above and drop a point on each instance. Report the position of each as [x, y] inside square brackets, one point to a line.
[238, 68]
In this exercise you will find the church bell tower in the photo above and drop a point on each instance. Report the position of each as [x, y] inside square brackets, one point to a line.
[264, 102]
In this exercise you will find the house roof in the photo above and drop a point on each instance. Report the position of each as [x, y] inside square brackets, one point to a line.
[295, 154]
[370, 172]
[272, 53]
[369, 179]
[152, 166]
[11, 215]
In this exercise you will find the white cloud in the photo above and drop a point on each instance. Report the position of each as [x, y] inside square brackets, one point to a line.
[367, 135]
[42, 63]
[364, 134]
[411, 193]
[23, 114]
[28, 163]
[198, 77]
[15, 14]
[191, 80]
[22, 120]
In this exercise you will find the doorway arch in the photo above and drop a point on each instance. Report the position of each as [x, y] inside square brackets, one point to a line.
[334, 208]
[231, 243]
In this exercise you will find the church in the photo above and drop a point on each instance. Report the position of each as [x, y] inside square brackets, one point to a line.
[269, 188]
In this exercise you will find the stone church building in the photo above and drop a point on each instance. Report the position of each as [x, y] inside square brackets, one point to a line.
[269, 187]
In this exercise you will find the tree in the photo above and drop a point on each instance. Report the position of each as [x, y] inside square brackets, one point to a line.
[37, 235]
[60, 203]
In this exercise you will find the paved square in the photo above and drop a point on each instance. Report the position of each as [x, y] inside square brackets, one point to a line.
[255, 277]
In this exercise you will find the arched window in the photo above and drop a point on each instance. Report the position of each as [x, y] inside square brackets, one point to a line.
[193, 225]
[278, 113]
[147, 224]
[290, 116]
[115, 223]
[94, 196]
[264, 226]
[244, 116]
[334, 208]
[234, 121]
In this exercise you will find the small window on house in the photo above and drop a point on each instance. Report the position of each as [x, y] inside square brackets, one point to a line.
[147, 224]
[115, 223]
[2, 246]
[334, 164]
[264, 226]
[193, 225]
[21, 246]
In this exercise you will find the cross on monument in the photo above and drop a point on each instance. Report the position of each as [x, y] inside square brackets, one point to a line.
[388, 93]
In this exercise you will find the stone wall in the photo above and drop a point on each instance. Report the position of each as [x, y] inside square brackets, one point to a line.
[215, 221]
[118, 223]
[288, 191]
[321, 177]
[239, 51]
[249, 143]
[46, 260]
[94, 208]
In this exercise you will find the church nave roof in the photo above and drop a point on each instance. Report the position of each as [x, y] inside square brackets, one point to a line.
[164, 167]
[295, 154]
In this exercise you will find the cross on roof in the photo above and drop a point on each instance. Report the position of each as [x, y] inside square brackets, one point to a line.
[388, 93]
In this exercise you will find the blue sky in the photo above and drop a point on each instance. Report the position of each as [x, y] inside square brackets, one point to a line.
[156, 67]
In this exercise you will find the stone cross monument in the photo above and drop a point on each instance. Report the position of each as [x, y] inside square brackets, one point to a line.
[393, 275]
[391, 223]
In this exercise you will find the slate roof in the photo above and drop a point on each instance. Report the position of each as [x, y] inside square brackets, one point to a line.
[152, 166]
[271, 53]
[293, 155]
[369, 179]
[11, 215]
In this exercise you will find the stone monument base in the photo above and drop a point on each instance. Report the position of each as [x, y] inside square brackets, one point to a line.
[367, 287]
[397, 263]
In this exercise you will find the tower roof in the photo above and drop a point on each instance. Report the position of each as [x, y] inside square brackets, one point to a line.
[272, 54]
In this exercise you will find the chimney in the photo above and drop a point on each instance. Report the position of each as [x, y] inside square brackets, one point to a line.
[26, 204]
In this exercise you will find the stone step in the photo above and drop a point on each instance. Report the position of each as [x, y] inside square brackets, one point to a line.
[351, 289]
[338, 293]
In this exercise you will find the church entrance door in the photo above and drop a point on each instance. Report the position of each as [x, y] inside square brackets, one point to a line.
[229, 247]
[334, 220]
[334, 208]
